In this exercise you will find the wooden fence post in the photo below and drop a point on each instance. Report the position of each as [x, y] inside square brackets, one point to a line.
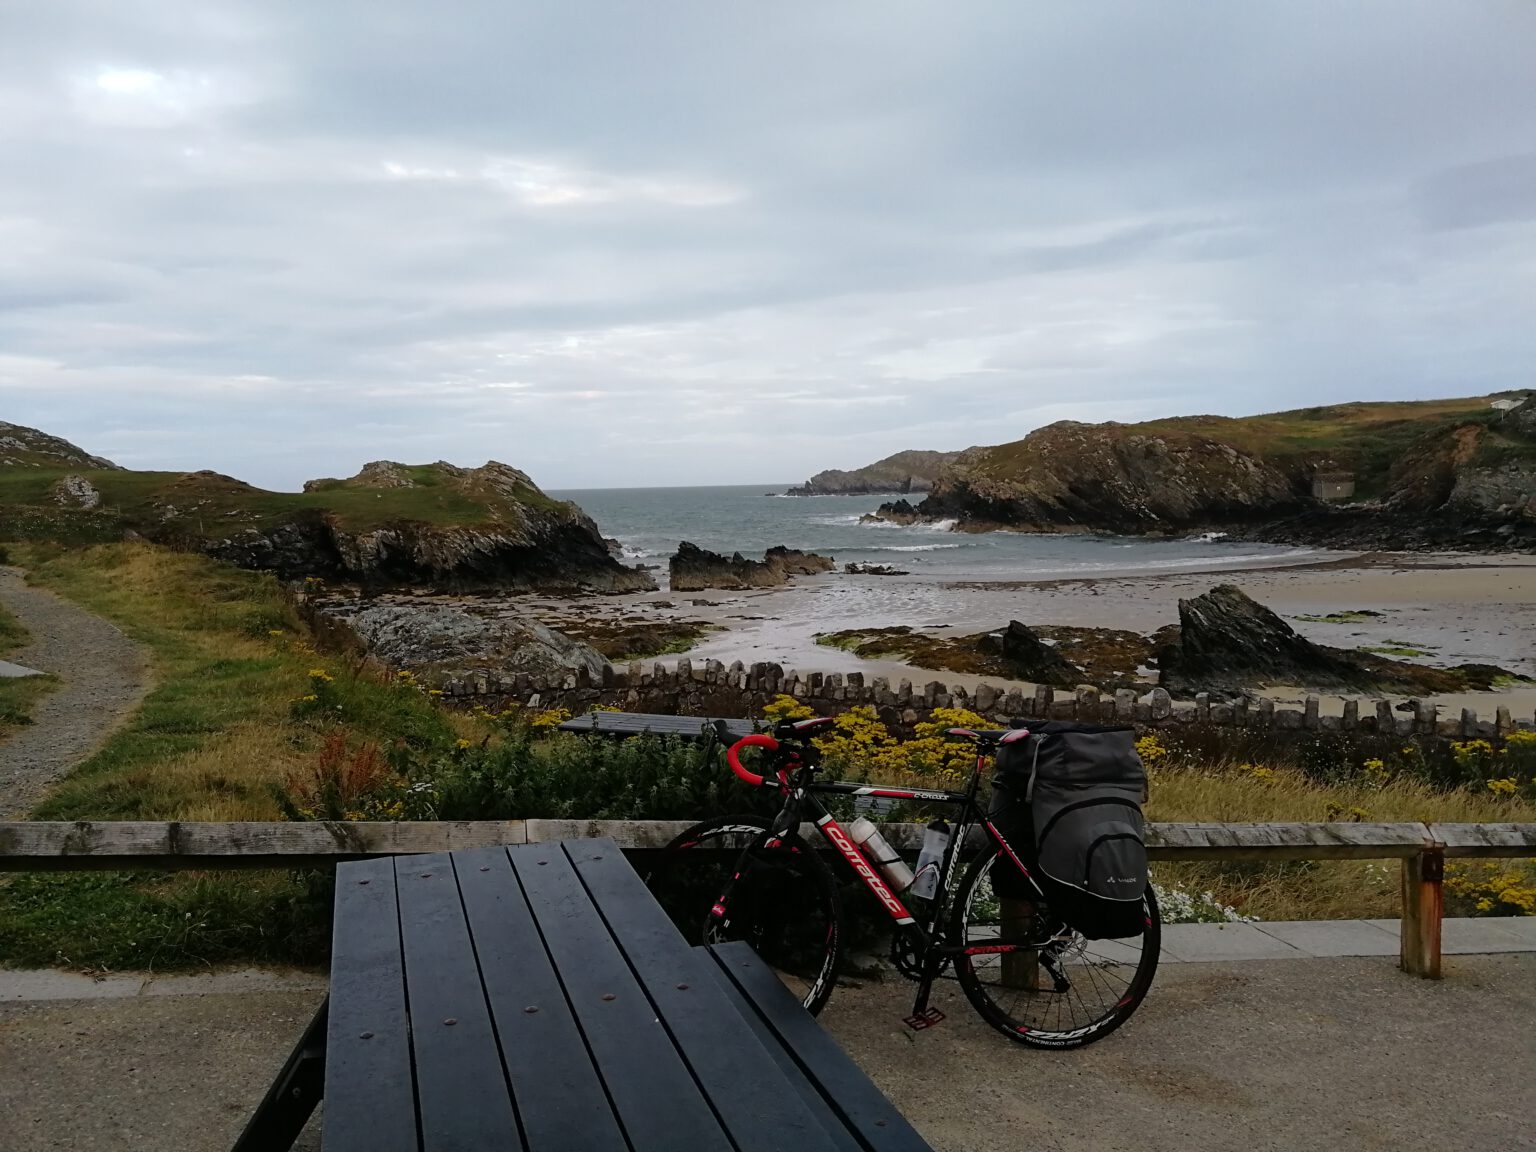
[1422, 911]
[1020, 969]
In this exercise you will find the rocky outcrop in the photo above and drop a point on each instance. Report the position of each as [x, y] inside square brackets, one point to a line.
[1423, 474]
[793, 562]
[1032, 659]
[855, 568]
[694, 569]
[76, 492]
[1110, 478]
[1521, 419]
[902, 512]
[445, 641]
[23, 447]
[374, 474]
[477, 528]
[911, 471]
[1228, 640]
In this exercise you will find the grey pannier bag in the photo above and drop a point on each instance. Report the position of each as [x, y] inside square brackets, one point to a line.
[1067, 798]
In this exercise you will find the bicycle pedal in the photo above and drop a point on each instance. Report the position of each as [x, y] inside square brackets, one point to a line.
[927, 1018]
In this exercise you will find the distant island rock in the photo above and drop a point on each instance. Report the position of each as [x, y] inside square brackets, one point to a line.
[905, 472]
[694, 569]
[1421, 474]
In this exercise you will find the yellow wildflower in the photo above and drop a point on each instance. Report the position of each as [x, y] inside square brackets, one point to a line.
[1508, 786]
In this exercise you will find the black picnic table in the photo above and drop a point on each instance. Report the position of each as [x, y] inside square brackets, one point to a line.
[537, 997]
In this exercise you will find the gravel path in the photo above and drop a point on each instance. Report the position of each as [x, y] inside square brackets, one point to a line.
[104, 677]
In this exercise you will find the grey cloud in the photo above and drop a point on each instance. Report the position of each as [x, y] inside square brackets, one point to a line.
[611, 242]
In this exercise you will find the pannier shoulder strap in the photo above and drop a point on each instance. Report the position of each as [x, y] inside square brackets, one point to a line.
[1034, 767]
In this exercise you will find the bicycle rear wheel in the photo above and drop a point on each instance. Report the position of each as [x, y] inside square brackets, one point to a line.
[783, 900]
[1068, 992]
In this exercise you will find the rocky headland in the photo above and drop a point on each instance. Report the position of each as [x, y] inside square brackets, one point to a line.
[1431, 474]
[904, 472]
[390, 526]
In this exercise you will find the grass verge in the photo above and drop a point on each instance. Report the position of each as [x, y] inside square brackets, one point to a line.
[19, 694]
[219, 733]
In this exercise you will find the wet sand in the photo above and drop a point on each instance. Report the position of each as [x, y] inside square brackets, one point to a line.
[1454, 609]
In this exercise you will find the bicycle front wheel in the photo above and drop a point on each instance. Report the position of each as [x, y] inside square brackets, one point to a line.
[1066, 991]
[719, 882]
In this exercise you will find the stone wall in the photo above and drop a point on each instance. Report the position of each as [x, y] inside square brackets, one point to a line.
[711, 688]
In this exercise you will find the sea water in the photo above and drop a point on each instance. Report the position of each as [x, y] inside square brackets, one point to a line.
[650, 523]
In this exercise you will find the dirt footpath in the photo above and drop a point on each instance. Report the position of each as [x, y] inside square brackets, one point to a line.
[1298, 1055]
[104, 677]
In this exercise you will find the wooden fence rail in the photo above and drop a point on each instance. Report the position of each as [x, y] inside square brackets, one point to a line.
[1422, 848]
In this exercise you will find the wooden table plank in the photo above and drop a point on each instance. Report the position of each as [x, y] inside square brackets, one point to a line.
[757, 1104]
[622, 725]
[368, 1037]
[657, 1099]
[842, 1136]
[847, 1089]
[461, 1091]
[560, 1098]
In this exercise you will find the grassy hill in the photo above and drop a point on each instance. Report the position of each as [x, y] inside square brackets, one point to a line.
[394, 524]
[1460, 461]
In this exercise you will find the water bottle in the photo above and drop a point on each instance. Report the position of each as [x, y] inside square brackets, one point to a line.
[868, 837]
[931, 859]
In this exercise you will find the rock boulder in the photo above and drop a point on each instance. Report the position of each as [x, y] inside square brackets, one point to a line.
[694, 569]
[1031, 658]
[1228, 640]
[76, 492]
[447, 641]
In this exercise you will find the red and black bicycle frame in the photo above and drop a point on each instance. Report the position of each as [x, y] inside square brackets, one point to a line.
[793, 775]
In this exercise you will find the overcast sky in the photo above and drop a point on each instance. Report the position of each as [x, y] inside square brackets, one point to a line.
[669, 243]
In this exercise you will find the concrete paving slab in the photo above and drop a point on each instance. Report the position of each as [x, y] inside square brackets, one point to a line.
[17, 985]
[1334, 937]
[239, 980]
[1211, 942]
[1474, 936]
[1521, 927]
[1306, 1055]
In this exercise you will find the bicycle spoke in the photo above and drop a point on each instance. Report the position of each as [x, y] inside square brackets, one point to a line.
[1105, 979]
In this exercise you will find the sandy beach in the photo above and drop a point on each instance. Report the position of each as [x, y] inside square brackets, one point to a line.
[1454, 609]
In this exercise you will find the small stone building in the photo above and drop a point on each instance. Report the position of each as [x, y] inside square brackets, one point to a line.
[1333, 485]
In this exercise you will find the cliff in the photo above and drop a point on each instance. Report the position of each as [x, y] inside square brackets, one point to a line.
[900, 474]
[1458, 473]
[391, 525]
[1109, 477]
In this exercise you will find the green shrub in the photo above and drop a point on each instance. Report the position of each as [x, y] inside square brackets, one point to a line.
[564, 776]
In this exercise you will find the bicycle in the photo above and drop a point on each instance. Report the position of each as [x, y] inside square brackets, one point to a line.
[1025, 971]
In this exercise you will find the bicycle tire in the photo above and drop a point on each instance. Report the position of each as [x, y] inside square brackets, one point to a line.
[1043, 1017]
[784, 902]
